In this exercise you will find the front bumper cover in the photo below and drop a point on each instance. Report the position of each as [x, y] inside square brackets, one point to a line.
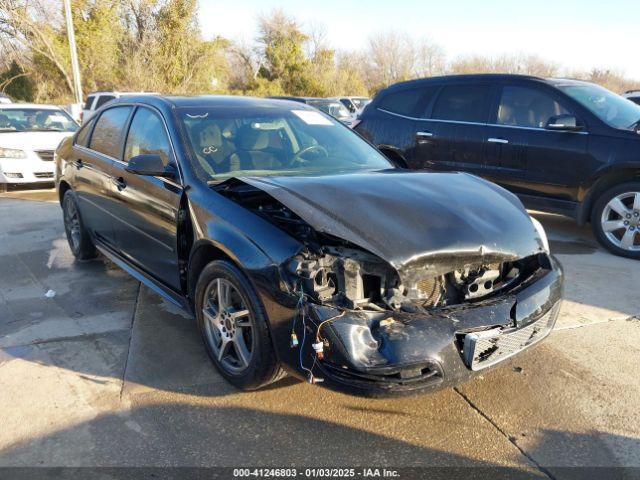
[395, 353]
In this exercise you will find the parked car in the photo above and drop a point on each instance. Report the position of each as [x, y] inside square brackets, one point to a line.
[633, 95]
[298, 246]
[4, 98]
[355, 105]
[562, 146]
[329, 106]
[95, 100]
[29, 134]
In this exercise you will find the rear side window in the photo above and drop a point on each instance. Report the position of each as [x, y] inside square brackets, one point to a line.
[463, 103]
[147, 135]
[410, 102]
[82, 138]
[87, 105]
[108, 131]
[102, 99]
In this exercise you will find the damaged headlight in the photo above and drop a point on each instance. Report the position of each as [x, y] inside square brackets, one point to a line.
[541, 232]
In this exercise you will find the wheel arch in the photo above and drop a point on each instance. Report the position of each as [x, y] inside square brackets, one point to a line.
[394, 155]
[63, 186]
[601, 185]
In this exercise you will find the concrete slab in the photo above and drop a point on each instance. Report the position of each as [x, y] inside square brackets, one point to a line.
[107, 373]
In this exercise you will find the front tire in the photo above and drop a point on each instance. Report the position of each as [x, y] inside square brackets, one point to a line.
[616, 220]
[233, 325]
[78, 237]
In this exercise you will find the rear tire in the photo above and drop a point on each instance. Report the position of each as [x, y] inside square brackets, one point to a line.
[78, 237]
[235, 331]
[615, 220]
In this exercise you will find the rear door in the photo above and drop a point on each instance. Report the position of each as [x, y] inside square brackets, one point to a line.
[459, 116]
[97, 145]
[525, 156]
[146, 208]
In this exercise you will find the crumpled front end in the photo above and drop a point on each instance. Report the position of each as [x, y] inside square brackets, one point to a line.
[416, 298]
[399, 352]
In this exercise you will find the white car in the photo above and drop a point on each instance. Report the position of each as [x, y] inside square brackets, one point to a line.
[4, 98]
[29, 135]
[355, 105]
[95, 100]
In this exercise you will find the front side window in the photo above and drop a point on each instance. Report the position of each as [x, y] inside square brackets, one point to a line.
[267, 141]
[89, 102]
[36, 120]
[612, 109]
[147, 135]
[107, 133]
[527, 107]
[463, 103]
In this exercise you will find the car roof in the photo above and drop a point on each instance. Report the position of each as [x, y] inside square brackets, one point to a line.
[222, 101]
[18, 106]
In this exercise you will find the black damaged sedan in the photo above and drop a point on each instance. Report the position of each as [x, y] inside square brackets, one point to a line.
[300, 249]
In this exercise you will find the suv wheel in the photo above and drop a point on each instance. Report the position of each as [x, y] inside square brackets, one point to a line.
[233, 325]
[616, 220]
[79, 239]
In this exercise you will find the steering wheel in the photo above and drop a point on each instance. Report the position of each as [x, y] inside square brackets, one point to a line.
[297, 158]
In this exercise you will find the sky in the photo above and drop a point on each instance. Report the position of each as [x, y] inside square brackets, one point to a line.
[578, 35]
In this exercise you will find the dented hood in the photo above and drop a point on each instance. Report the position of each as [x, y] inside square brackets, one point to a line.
[416, 221]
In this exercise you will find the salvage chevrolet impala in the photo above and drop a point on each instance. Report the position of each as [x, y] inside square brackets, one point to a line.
[300, 249]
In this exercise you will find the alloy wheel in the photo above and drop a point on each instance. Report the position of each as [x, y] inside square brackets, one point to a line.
[621, 221]
[228, 325]
[72, 223]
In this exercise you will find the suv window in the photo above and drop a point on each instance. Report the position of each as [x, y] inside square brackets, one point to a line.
[411, 102]
[102, 99]
[108, 131]
[147, 135]
[87, 105]
[464, 103]
[527, 107]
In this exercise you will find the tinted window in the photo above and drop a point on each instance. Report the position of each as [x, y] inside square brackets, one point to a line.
[635, 100]
[408, 102]
[87, 106]
[527, 107]
[147, 135]
[464, 103]
[83, 135]
[108, 132]
[102, 99]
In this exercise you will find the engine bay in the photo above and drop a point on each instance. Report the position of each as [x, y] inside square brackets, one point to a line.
[332, 271]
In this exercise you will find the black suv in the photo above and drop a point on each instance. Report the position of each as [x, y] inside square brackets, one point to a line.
[562, 146]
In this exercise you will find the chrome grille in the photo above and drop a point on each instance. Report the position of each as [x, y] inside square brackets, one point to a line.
[43, 174]
[46, 155]
[488, 347]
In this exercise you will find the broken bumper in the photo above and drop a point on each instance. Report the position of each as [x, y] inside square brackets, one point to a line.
[394, 353]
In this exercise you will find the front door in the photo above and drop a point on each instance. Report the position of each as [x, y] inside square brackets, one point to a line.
[146, 208]
[528, 158]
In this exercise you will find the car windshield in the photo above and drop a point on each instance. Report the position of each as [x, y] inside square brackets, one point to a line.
[36, 120]
[612, 109]
[261, 142]
[335, 109]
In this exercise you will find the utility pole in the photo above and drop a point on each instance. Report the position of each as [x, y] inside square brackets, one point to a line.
[77, 86]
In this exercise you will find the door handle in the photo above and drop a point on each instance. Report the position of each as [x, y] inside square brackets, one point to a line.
[78, 164]
[502, 141]
[119, 183]
[424, 134]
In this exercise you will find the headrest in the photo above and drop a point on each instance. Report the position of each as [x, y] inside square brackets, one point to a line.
[252, 139]
[210, 135]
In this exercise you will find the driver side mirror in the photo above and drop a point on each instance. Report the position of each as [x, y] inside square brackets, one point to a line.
[568, 123]
[150, 164]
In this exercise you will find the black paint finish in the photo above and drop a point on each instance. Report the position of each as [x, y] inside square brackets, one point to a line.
[163, 231]
[556, 171]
